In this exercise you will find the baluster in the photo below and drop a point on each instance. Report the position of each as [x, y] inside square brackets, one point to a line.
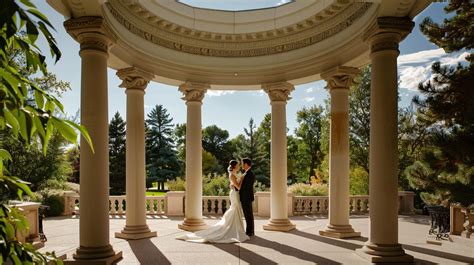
[351, 205]
[158, 205]
[326, 205]
[359, 203]
[219, 205]
[118, 205]
[298, 205]
[150, 201]
[76, 206]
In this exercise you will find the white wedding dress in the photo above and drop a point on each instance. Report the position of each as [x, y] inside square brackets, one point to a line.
[230, 229]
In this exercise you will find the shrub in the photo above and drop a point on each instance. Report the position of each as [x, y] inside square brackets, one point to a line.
[358, 181]
[54, 200]
[302, 189]
[177, 185]
[215, 185]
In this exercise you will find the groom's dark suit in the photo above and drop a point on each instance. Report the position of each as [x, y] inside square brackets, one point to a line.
[246, 198]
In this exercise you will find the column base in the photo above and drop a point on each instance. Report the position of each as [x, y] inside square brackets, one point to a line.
[95, 255]
[381, 253]
[279, 225]
[339, 231]
[133, 232]
[192, 225]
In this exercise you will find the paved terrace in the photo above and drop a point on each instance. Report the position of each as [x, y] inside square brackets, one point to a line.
[301, 246]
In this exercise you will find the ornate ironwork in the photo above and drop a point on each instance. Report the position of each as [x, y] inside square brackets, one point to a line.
[439, 222]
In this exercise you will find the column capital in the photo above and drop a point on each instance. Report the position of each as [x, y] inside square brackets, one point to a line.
[91, 32]
[193, 91]
[134, 78]
[278, 91]
[386, 32]
[339, 77]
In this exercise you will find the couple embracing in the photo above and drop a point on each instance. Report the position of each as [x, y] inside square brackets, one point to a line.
[230, 229]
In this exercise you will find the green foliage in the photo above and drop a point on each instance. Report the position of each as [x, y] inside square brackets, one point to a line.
[54, 200]
[250, 146]
[359, 119]
[358, 181]
[216, 141]
[264, 138]
[215, 185]
[29, 120]
[302, 189]
[177, 184]
[445, 171]
[36, 167]
[117, 155]
[455, 33]
[310, 128]
[73, 158]
[210, 164]
[161, 156]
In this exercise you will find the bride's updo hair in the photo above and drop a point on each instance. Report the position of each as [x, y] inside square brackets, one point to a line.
[232, 164]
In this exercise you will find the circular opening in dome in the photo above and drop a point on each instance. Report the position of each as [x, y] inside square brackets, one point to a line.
[234, 5]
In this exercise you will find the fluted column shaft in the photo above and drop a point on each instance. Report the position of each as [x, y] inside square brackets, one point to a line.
[279, 94]
[383, 38]
[193, 95]
[135, 82]
[339, 80]
[94, 168]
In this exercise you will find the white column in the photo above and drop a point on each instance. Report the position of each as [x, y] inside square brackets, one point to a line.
[193, 95]
[279, 93]
[339, 80]
[94, 179]
[383, 38]
[135, 81]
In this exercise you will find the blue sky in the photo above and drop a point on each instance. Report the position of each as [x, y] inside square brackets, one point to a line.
[232, 110]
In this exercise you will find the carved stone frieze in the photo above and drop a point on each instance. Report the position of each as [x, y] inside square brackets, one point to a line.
[193, 91]
[175, 37]
[134, 78]
[340, 77]
[279, 91]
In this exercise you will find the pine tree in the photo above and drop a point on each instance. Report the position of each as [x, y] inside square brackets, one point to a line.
[457, 32]
[117, 155]
[162, 159]
[251, 147]
[445, 171]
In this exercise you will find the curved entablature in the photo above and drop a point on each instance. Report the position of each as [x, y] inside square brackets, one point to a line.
[173, 36]
[239, 49]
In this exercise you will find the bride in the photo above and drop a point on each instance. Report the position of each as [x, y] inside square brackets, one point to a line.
[231, 228]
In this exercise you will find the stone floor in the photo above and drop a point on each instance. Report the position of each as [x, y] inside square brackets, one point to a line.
[301, 246]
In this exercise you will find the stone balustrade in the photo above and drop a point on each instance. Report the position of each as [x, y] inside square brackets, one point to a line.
[173, 204]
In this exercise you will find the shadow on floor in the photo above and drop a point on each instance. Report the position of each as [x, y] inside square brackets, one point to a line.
[287, 250]
[147, 253]
[436, 253]
[330, 241]
[250, 257]
[416, 219]
[352, 246]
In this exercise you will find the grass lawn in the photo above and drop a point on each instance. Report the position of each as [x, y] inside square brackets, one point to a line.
[155, 193]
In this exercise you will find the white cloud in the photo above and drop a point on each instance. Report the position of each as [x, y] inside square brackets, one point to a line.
[308, 99]
[218, 93]
[416, 67]
[309, 90]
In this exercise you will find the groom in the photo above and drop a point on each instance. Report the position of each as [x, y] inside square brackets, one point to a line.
[246, 195]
